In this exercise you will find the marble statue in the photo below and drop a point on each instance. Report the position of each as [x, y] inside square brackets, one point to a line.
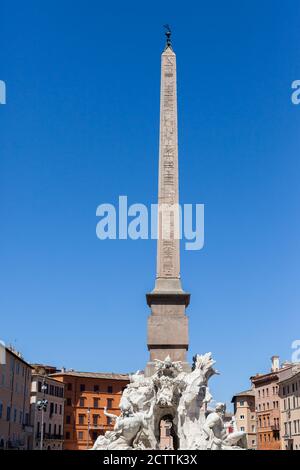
[215, 433]
[170, 393]
[128, 425]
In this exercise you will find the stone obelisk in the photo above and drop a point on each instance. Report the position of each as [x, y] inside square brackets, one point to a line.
[168, 323]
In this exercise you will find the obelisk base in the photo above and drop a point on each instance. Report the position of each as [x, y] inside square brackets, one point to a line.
[167, 328]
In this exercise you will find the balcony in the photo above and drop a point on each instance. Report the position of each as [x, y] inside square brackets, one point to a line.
[27, 428]
[16, 444]
[103, 427]
[275, 427]
[47, 436]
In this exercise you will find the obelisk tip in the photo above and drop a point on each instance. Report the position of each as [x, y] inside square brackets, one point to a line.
[168, 36]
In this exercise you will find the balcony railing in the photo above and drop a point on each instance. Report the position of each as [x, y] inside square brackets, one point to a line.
[57, 437]
[15, 444]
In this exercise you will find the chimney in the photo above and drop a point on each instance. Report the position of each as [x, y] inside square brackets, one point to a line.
[275, 363]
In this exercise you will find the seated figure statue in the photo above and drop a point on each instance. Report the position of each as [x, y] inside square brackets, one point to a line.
[215, 432]
[128, 425]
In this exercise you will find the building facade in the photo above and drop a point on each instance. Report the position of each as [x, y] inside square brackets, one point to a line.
[86, 396]
[166, 434]
[47, 424]
[15, 380]
[289, 394]
[267, 402]
[245, 415]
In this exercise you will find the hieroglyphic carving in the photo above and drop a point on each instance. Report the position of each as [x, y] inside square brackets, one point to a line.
[168, 243]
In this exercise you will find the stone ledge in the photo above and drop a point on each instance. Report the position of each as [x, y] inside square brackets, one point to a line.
[168, 298]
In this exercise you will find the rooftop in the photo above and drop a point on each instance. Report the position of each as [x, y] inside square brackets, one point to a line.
[270, 376]
[292, 372]
[92, 375]
[17, 355]
[249, 393]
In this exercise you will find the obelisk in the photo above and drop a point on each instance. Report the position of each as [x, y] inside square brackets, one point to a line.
[168, 323]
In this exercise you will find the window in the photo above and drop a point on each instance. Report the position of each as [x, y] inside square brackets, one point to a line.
[69, 386]
[96, 388]
[81, 419]
[242, 416]
[39, 386]
[94, 435]
[242, 402]
[82, 387]
[68, 419]
[15, 415]
[55, 408]
[81, 401]
[96, 402]
[60, 409]
[8, 413]
[109, 403]
[242, 428]
[108, 420]
[95, 420]
[67, 435]
[1, 409]
[109, 389]
[80, 435]
[69, 402]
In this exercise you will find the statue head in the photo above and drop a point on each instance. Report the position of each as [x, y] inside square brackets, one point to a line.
[125, 407]
[220, 408]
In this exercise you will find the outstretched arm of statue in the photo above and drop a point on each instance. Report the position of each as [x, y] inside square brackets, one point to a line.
[150, 412]
[110, 415]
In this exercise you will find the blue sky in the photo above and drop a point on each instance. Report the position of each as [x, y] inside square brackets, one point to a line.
[80, 128]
